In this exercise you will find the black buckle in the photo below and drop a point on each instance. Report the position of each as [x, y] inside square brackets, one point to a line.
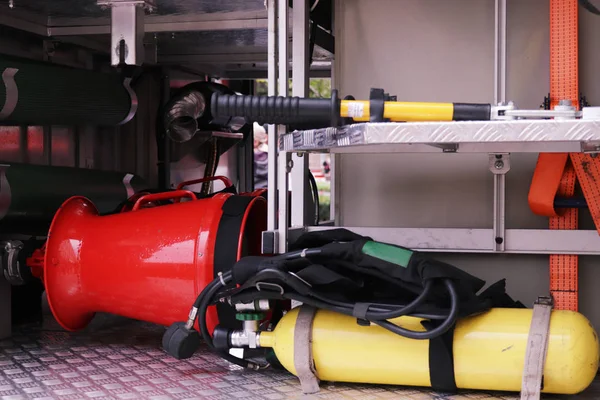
[377, 99]
[544, 301]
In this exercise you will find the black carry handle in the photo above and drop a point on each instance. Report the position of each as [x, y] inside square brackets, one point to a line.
[277, 110]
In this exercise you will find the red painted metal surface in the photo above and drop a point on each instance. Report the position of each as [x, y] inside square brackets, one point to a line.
[148, 264]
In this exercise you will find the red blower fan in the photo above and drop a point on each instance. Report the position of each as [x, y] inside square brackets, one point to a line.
[150, 263]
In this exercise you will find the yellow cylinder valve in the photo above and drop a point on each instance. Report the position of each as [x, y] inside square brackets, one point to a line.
[489, 351]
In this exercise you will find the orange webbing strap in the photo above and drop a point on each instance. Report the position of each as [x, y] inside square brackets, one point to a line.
[556, 173]
[564, 65]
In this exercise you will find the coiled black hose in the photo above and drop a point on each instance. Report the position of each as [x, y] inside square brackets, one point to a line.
[377, 313]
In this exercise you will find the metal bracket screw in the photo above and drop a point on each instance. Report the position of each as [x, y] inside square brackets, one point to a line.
[499, 164]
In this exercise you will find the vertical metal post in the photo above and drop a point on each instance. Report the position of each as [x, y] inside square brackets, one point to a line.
[300, 87]
[335, 158]
[500, 52]
[270, 241]
[283, 157]
[335, 189]
[499, 165]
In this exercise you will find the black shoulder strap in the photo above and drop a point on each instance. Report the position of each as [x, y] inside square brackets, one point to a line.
[441, 361]
[226, 245]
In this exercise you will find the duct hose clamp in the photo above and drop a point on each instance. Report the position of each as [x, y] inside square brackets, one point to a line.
[134, 101]
[11, 266]
[12, 93]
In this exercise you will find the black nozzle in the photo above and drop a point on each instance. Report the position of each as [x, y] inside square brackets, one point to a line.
[221, 338]
[277, 110]
[180, 342]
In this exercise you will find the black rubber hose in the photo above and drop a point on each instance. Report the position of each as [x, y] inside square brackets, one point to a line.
[408, 309]
[315, 191]
[347, 308]
[384, 308]
[440, 330]
[379, 313]
[251, 295]
[204, 300]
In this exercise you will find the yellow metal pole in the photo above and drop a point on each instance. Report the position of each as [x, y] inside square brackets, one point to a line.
[399, 111]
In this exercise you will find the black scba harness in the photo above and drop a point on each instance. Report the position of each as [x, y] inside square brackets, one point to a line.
[351, 274]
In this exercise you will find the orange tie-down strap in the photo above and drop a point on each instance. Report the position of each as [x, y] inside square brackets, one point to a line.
[556, 174]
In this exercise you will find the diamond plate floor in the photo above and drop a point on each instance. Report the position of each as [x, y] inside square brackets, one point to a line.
[116, 358]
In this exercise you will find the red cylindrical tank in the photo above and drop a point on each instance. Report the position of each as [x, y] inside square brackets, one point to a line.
[148, 263]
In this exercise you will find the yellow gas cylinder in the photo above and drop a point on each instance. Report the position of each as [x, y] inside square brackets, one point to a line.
[489, 351]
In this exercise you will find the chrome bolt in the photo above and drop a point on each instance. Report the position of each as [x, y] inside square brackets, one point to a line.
[499, 164]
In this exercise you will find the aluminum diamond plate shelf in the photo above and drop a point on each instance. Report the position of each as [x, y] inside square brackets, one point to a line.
[469, 136]
[117, 358]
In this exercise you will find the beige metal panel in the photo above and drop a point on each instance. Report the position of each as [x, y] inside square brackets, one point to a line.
[418, 49]
[589, 56]
[444, 51]
[421, 51]
[528, 52]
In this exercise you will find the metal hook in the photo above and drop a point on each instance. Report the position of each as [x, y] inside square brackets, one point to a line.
[267, 284]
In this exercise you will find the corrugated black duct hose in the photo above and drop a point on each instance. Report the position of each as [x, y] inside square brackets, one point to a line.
[39, 93]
